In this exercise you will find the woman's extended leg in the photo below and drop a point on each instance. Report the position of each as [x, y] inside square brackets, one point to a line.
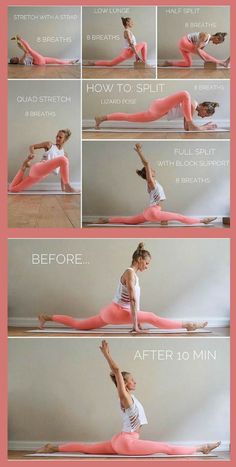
[104, 447]
[154, 213]
[208, 58]
[93, 322]
[37, 57]
[132, 220]
[125, 55]
[57, 61]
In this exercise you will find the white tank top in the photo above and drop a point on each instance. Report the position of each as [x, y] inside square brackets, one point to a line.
[133, 417]
[177, 112]
[156, 195]
[122, 295]
[133, 40]
[28, 60]
[52, 153]
[194, 38]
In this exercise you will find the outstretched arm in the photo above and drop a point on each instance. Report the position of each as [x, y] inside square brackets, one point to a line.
[125, 398]
[149, 176]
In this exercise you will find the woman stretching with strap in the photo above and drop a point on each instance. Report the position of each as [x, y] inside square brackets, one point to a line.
[194, 43]
[128, 441]
[131, 48]
[31, 57]
[54, 160]
[156, 195]
[124, 308]
[175, 106]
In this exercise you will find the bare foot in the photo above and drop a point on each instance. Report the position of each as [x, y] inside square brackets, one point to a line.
[98, 121]
[42, 320]
[68, 189]
[206, 448]
[27, 162]
[226, 62]
[193, 326]
[48, 448]
[75, 62]
[207, 220]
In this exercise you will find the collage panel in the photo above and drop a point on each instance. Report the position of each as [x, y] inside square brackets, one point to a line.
[44, 154]
[119, 42]
[176, 179]
[175, 287]
[170, 109]
[44, 42]
[180, 388]
[199, 44]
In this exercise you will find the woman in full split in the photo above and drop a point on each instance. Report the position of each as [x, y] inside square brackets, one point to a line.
[175, 106]
[128, 441]
[31, 57]
[124, 308]
[194, 43]
[131, 48]
[55, 160]
[156, 195]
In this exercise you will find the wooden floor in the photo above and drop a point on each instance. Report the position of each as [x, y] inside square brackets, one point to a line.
[44, 72]
[118, 73]
[188, 73]
[155, 135]
[20, 455]
[22, 332]
[44, 211]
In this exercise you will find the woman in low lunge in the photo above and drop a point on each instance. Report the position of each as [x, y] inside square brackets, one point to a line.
[31, 57]
[156, 195]
[128, 441]
[54, 159]
[131, 48]
[194, 43]
[173, 107]
[125, 307]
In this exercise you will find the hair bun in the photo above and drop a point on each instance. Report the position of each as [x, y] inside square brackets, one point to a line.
[140, 246]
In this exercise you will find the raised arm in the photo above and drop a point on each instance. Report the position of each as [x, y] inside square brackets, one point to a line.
[125, 398]
[149, 176]
[45, 145]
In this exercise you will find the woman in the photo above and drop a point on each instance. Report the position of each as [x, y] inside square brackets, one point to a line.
[194, 43]
[31, 57]
[156, 195]
[173, 107]
[55, 159]
[124, 308]
[128, 441]
[131, 48]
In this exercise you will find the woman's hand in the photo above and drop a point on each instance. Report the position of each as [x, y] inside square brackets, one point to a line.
[138, 147]
[104, 348]
[139, 330]
[209, 126]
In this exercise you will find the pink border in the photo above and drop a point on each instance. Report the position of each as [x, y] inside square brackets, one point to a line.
[6, 233]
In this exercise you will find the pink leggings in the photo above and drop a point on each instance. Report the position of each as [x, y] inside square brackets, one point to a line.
[125, 55]
[187, 48]
[115, 314]
[127, 444]
[154, 214]
[39, 171]
[39, 59]
[158, 108]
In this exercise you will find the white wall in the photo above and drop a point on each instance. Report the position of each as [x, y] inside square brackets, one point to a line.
[187, 278]
[60, 390]
[51, 31]
[194, 184]
[33, 119]
[103, 30]
[176, 22]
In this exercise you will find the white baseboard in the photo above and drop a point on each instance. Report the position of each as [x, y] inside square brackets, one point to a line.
[157, 124]
[33, 445]
[53, 186]
[33, 322]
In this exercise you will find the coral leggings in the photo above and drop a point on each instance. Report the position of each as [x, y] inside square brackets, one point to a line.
[39, 171]
[154, 214]
[125, 55]
[115, 314]
[127, 444]
[187, 48]
[39, 59]
[158, 108]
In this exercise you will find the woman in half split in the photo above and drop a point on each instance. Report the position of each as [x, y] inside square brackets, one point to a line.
[175, 106]
[156, 195]
[55, 160]
[124, 308]
[128, 441]
[31, 57]
[194, 43]
[131, 48]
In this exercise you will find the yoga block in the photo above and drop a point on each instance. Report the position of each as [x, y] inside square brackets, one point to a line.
[210, 65]
[226, 220]
[139, 65]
